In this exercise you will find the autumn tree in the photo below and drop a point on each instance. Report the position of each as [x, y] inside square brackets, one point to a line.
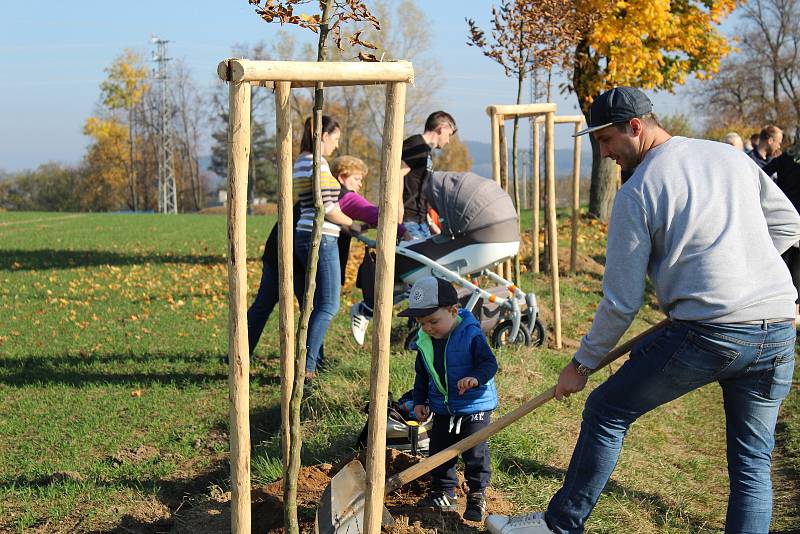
[123, 90]
[50, 187]
[453, 157]
[645, 44]
[760, 82]
[529, 35]
[678, 124]
[105, 184]
[190, 119]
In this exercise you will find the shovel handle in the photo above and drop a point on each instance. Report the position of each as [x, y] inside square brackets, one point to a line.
[432, 462]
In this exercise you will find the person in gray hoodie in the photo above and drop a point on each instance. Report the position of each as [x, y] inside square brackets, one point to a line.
[708, 227]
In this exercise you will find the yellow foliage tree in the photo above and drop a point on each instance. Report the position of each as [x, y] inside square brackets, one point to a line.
[104, 185]
[123, 89]
[652, 44]
[454, 157]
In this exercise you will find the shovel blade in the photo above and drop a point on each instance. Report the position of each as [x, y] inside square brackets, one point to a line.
[341, 508]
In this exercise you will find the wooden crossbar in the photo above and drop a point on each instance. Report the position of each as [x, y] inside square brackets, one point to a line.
[329, 72]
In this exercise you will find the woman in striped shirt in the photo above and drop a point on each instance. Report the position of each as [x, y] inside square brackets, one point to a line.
[326, 297]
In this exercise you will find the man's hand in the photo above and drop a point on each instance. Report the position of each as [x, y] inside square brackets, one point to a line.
[569, 382]
[355, 228]
[421, 412]
[468, 382]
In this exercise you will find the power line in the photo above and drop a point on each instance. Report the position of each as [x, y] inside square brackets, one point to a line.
[167, 197]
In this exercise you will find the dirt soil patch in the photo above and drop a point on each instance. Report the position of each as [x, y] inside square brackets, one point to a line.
[267, 505]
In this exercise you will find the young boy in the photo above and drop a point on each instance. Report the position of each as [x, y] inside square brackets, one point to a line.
[454, 380]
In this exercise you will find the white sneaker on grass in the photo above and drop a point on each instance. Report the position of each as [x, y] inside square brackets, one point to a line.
[358, 323]
[532, 523]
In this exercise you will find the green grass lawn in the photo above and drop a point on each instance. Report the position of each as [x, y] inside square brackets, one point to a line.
[113, 399]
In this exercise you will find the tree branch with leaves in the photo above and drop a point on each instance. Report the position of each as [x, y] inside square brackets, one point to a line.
[527, 36]
[334, 13]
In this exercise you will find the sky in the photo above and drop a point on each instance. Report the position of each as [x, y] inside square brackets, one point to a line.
[52, 60]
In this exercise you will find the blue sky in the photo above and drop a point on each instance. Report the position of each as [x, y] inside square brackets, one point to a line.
[52, 58]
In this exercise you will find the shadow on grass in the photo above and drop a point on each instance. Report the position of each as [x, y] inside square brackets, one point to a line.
[32, 260]
[659, 509]
[155, 369]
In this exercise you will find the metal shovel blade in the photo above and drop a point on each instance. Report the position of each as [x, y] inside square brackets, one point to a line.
[341, 508]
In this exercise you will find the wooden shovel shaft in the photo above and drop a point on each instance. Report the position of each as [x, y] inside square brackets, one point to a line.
[428, 464]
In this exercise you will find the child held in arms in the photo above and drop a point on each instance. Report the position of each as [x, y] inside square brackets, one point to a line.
[455, 371]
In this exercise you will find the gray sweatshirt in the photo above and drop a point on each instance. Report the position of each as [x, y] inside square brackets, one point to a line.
[708, 227]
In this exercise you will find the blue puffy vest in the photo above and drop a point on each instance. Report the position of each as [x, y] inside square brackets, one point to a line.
[444, 398]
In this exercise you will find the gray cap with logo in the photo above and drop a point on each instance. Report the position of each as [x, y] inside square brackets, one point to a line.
[428, 295]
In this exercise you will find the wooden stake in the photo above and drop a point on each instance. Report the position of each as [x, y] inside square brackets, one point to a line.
[495, 122]
[239, 366]
[330, 72]
[535, 196]
[521, 110]
[502, 148]
[384, 282]
[283, 113]
[576, 200]
[550, 176]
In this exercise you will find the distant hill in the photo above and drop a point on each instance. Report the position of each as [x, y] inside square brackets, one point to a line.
[482, 159]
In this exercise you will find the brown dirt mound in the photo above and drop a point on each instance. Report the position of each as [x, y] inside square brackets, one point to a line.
[267, 505]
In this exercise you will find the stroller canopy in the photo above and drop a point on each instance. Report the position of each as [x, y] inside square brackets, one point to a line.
[468, 202]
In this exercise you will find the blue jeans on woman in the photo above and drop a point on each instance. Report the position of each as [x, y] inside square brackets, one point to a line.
[326, 296]
[418, 230]
[753, 363]
[264, 303]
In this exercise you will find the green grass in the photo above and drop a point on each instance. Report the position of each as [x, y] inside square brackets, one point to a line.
[111, 333]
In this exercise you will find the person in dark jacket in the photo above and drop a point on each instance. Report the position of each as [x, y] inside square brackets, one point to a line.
[786, 170]
[455, 371]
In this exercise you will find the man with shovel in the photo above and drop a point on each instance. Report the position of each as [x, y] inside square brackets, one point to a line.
[708, 227]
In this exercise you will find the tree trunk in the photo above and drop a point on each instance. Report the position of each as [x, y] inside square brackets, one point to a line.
[131, 168]
[251, 183]
[290, 487]
[514, 167]
[603, 187]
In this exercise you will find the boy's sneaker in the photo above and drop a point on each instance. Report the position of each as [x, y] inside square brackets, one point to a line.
[358, 323]
[532, 523]
[476, 506]
[439, 500]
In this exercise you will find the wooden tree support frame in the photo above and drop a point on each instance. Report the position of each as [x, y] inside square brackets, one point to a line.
[498, 114]
[578, 121]
[282, 76]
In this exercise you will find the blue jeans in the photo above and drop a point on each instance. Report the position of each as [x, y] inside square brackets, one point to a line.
[752, 363]
[262, 306]
[326, 296]
[418, 230]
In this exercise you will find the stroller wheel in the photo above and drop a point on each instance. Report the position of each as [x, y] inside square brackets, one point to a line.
[502, 335]
[410, 338]
[538, 334]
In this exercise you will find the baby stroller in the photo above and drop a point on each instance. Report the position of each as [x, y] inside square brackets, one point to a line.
[479, 230]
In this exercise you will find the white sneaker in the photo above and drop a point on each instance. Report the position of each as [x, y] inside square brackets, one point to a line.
[358, 323]
[532, 523]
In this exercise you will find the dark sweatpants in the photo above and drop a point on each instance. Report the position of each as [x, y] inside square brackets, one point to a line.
[792, 259]
[477, 467]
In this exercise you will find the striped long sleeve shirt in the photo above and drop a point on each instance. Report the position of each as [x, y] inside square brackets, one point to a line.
[304, 194]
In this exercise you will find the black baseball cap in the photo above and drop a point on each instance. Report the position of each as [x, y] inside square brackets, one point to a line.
[619, 104]
[428, 295]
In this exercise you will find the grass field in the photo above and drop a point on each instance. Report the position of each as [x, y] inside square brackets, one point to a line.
[113, 398]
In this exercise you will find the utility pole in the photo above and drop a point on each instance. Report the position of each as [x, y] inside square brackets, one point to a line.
[167, 197]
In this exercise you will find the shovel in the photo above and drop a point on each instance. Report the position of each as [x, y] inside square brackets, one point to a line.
[341, 509]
